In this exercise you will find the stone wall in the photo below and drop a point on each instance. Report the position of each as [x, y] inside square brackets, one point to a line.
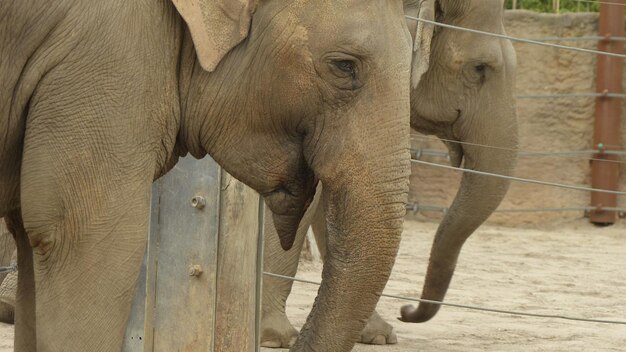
[545, 124]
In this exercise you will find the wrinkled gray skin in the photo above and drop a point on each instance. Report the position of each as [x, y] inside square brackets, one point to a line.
[97, 99]
[8, 280]
[466, 95]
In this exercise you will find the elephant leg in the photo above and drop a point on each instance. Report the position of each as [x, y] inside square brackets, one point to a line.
[85, 284]
[86, 215]
[276, 329]
[25, 338]
[8, 291]
[8, 286]
[86, 269]
[318, 225]
[377, 331]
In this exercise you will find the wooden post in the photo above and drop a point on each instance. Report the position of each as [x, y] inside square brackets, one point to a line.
[240, 235]
[514, 5]
[199, 286]
[605, 174]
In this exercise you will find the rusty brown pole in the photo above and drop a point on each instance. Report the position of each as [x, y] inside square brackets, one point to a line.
[605, 174]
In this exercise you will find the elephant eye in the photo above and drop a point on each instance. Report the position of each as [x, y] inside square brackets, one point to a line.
[348, 71]
[345, 71]
[480, 73]
[346, 66]
[480, 69]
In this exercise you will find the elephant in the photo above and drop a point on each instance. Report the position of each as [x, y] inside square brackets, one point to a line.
[99, 99]
[466, 98]
[8, 280]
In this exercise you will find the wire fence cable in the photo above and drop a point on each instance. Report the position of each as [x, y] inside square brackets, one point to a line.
[600, 2]
[521, 40]
[8, 269]
[584, 38]
[520, 179]
[417, 207]
[571, 95]
[601, 148]
[501, 311]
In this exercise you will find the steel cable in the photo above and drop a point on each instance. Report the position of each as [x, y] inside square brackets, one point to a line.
[571, 95]
[521, 40]
[585, 38]
[520, 179]
[575, 153]
[416, 207]
[419, 300]
[7, 269]
[600, 2]
[417, 153]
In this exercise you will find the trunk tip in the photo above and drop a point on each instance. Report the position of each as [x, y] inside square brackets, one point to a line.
[425, 312]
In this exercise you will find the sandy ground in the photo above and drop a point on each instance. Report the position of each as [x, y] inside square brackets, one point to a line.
[574, 269]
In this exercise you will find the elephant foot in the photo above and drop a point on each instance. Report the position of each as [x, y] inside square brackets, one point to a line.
[378, 332]
[277, 331]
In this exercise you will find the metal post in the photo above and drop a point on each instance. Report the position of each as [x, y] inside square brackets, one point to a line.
[605, 175]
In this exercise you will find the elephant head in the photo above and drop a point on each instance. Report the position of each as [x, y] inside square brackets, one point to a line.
[466, 99]
[301, 89]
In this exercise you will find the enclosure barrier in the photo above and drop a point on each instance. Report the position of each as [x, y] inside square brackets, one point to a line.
[608, 112]
[420, 300]
[515, 39]
[199, 286]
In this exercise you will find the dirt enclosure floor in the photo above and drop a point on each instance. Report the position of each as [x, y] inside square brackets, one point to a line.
[573, 269]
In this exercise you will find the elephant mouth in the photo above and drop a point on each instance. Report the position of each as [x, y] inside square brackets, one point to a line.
[289, 198]
[444, 131]
[455, 151]
[453, 143]
[288, 203]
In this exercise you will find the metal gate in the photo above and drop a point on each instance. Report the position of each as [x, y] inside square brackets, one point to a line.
[199, 286]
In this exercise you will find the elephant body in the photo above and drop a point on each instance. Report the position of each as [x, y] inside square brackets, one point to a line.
[98, 99]
[465, 98]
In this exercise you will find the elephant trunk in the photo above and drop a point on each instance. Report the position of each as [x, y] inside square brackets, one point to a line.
[364, 227]
[364, 201]
[478, 196]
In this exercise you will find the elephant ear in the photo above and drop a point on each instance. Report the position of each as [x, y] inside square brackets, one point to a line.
[216, 26]
[422, 40]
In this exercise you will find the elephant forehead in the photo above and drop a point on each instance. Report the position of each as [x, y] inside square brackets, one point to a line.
[470, 47]
[362, 26]
[455, 54]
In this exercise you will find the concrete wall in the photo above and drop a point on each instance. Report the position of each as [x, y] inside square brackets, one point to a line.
[545, 124]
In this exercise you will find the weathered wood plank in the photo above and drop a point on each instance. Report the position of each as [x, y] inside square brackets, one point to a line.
[187, 236]
[238, 258]
[215, 308]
